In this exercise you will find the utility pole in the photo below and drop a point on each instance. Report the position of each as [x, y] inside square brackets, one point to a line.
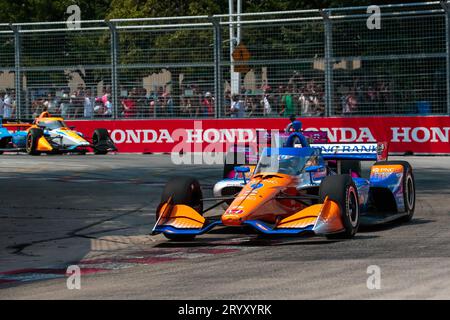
[235, 39]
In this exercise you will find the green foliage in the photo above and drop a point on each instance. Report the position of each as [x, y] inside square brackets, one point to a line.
[167, 47]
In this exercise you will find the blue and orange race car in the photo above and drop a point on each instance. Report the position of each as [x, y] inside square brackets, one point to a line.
[298, 189]
[48, 134]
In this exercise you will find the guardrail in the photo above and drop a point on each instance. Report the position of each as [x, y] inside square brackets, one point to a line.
[418, 135]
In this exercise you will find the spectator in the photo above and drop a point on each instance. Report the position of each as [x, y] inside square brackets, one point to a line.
[51, 104]
[64, 105]
[237, 107]
[384, 97]
[267, 110]
[106, 93]
[208, 105]
[372, 99]
[77, 103]
[278, 97]
[151, 104]
[186, 108]
[287, 103]
[349, 103]
[195, 101]
[251, 104]
[227, 103]
[7, 106]
[1, 104]
[88, 105]
[108, 106]
[129, 106]
[168, 101]
[99, 107]
[141, 101]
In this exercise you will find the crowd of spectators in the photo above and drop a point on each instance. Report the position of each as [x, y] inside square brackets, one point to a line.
[371, 97]
[298, 95]
[133, 103]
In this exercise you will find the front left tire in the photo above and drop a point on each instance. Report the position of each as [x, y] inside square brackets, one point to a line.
[182, 190]
[33, 137]
[342, 190]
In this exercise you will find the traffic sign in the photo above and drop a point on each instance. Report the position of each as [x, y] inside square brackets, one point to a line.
[241, 53]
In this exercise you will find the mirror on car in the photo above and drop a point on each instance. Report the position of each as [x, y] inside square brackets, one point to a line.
[242, 169]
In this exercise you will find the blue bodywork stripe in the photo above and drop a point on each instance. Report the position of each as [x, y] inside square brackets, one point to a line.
[258, 225]
[367, 157]
[170, 229]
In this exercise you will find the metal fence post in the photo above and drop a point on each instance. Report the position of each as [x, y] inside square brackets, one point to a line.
[114, 54]
[17, 70]
[217, 64]
[447, 46]
[328, 62]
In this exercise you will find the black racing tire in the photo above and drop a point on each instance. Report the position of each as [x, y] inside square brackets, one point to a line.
[342, 190]
[409, 187]
[233, 159]
[3, 143]
[100, 135]
[33, 137]
[351, 165]
[183, 190]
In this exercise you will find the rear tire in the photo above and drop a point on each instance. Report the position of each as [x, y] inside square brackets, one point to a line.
[100, 136]
[342, 190]
[33, 137]
[409, 188]
[186, 191]
[3, 143]
[348, 166]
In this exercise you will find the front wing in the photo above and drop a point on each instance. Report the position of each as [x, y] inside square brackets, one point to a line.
[320, 219]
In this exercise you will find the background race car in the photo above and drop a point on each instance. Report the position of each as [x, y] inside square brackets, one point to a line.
[49, 134]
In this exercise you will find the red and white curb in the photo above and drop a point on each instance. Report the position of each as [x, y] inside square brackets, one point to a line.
[117, 262]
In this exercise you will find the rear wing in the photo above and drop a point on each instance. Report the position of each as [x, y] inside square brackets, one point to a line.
[354, 151]
[15, 124]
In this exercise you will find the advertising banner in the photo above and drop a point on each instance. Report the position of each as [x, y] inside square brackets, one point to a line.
[419, 135]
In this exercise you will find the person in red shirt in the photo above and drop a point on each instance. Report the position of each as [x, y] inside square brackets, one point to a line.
[129, 107]
[208, 105]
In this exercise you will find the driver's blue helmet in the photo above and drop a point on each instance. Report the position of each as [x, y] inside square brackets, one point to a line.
[296, 125]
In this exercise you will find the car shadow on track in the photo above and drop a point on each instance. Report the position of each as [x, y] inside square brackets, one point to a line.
[257, 241]
[393, 225]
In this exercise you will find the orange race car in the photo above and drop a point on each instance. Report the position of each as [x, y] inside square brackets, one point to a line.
[295, 191]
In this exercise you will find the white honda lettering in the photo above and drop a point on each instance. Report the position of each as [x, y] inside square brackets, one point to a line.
[400, 134]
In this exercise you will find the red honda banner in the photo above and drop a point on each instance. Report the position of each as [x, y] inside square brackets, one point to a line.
[426, 135]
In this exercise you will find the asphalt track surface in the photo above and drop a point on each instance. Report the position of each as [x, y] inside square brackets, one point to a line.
[97, 212]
